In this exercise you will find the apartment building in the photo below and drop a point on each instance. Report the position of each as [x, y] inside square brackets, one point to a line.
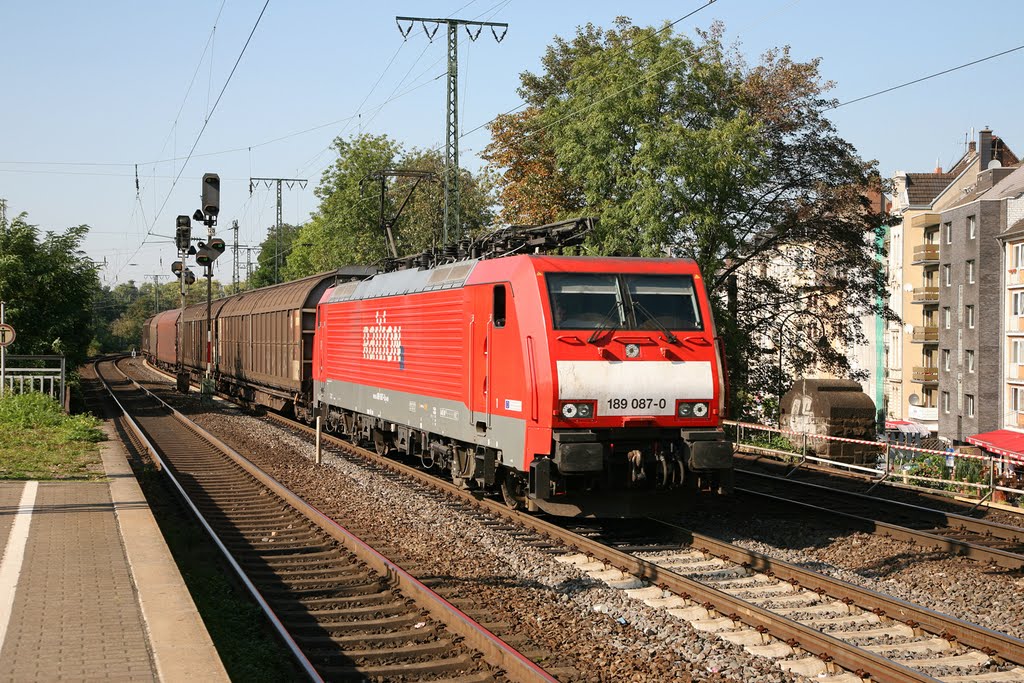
[921, 262]
[999, 198]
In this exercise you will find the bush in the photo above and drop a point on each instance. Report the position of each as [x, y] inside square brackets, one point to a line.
[35, 410]
[772, 440]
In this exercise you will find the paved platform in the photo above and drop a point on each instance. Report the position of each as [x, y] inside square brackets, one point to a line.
[88, 589]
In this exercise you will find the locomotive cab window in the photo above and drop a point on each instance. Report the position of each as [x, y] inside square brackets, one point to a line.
[584, 301]
[664, 301]
[499, 306]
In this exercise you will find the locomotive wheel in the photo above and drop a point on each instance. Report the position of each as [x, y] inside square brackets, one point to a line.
[381, 443]
[464, 468]
[513, 490]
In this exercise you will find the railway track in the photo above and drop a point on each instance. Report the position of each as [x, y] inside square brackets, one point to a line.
[922, 644]
[815, 625]
[978, 539]
[753, 459]
[345, 610]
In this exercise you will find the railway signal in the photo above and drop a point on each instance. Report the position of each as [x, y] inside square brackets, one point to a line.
[178, 269]
[211, 195]
[183, 232]
[207, 252]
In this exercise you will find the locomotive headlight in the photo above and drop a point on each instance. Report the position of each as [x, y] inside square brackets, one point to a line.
[580, 410]
[691, 409]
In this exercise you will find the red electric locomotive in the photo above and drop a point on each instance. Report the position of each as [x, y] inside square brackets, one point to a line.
[580, 386]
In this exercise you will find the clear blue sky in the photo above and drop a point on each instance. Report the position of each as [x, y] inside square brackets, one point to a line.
[94, 88]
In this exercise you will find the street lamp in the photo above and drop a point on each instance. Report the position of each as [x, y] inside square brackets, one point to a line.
[822, 340]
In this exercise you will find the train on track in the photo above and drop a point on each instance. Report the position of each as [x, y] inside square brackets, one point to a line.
[580, 386]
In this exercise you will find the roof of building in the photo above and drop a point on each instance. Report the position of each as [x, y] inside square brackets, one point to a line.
[923, 188]
[1009, 187]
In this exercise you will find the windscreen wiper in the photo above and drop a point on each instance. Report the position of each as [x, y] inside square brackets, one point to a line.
[669, 337]
[605, 323]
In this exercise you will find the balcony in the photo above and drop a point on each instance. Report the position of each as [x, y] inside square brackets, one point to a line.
[926, 253]
[1015, 276]
[924, 220]
[926, 295]
[1015, 373]
[1019, 419]
[926, 335]
[924, 413]
[925, 375]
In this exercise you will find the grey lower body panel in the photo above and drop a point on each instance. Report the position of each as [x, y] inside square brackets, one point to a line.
[446, 418]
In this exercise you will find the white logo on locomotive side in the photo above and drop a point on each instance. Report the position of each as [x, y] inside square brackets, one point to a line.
[382, 341]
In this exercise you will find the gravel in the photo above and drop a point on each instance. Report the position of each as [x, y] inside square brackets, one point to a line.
[956, 586]
[600, 632]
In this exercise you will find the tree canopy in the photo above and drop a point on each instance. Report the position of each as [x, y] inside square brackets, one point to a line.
[49, 285]
[682, 148]
[345, 228]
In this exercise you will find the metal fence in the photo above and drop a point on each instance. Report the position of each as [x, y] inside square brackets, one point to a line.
[979, 477]
[45, 374]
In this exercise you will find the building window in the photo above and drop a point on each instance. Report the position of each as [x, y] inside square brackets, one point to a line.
[1018, 255]
[946, 274]
[1018, 303]
[971, 229]
[945, 359]
[1017, 352]
[970, 361]
[945, 317]
[945, 402]
[949, 233]
[970, 272]
[969, 405]
[1017, 399]
[970, 316]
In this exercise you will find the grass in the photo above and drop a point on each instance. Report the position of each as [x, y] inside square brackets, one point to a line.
[39, 441]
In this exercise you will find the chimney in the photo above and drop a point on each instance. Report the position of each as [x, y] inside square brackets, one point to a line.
[985, 147]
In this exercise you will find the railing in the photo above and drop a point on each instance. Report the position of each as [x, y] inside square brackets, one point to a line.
[45, 374]
[926, 252]
[925, 334]
[925, 375]
[979, 477]
[926, 295]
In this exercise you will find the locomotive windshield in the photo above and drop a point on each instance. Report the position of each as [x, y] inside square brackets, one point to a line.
[664, 301]
[585, 301]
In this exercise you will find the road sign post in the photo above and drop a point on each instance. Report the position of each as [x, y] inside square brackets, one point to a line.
[6, 337]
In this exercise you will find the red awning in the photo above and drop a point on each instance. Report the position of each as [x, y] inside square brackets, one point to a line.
[1001, 442]
[906, 427]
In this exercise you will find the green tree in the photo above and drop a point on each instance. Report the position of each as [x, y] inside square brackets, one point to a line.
[126, 329]
[345, 228]
[49, 285]
[682, 148]
[273, 248]
[109, 308]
